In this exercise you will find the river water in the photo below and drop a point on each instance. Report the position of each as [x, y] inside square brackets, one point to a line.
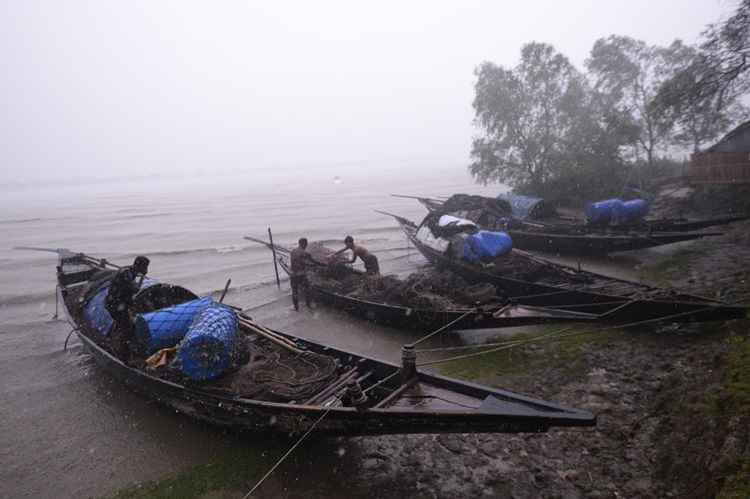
[68, 430]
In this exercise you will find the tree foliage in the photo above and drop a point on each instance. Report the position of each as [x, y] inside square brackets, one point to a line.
[716, 74]
[540, 120]
[630, 73]
[695, 121]
[546, 128]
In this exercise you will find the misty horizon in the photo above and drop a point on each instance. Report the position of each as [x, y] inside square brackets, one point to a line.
[102, 92]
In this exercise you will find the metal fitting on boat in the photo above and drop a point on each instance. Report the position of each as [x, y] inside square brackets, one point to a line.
[408, 363]
[357, 397]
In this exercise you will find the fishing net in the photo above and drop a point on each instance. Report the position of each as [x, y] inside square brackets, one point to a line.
[279, 375]
[489, 213]
[430, 289]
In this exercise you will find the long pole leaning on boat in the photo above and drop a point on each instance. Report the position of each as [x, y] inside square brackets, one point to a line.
[275, 263]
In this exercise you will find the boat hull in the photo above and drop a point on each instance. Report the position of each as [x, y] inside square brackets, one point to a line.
[609, 308]
[220, 408]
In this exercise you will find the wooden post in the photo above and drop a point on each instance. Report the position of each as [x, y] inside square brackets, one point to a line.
[275, 263]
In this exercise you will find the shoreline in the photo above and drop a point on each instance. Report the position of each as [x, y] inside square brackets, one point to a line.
[654, 390]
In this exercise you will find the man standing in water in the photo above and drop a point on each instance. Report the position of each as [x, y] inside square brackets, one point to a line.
[119, 302]
[371, 261]
[299, 261]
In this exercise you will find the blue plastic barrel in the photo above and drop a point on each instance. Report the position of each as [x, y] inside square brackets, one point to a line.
[487, 245]
[166, 327]
[601, 212]
[630, 211]
[210, 344]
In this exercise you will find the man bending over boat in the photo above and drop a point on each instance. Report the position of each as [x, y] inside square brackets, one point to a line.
[119, 302]
[371, 261]
[300, 260]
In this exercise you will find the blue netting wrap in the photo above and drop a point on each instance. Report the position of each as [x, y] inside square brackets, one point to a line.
[524, 206]
[210, 344]
[96, 313]
[486, 245]
[166, 327]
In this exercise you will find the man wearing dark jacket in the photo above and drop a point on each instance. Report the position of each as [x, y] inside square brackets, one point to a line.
[300, 261]
[119, 301]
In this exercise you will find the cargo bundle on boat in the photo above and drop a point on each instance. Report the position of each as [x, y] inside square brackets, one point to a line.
[535, 224]
[530, 280]
[276, 381]
[421, 302]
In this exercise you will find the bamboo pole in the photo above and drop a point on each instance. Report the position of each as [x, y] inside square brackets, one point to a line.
[224, 293]
[275, 263]
[282, 342]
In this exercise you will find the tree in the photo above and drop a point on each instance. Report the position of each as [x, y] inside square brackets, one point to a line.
[697, 121]
[545, 130]
[714, 76]
[630, 72]
[525, 113]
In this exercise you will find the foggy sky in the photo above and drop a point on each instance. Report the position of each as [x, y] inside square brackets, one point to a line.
[108, 89]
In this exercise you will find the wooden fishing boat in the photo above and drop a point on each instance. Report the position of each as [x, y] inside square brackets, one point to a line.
[537, 213]
[399, 399]
[488, 315]
[530, 280]
[552, 234]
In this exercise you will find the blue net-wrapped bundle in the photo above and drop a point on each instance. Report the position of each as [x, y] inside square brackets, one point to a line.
[166, 327]
[630, 212]
[486, 245]
[211, 343]
[601, 212]
[97, 314]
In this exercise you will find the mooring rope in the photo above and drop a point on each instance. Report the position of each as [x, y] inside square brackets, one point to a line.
[507, 346]
[390, 376]
[443, 328]
[287, 453]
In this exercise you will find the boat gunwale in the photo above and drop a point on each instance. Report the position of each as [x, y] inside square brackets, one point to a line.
[557, 415]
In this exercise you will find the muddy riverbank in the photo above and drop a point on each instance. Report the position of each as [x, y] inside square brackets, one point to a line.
[673, 408]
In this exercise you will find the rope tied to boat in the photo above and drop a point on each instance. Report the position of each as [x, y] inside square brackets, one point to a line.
[291, 449]
[508, 345]
[65, 346]
[443, 328]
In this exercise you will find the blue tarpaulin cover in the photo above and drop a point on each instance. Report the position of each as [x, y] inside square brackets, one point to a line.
[98, 315]
[524, 206]
[630, 211]
[166, 327]
[616, 211]
[210, 343]
[486, 245]
[600, 212]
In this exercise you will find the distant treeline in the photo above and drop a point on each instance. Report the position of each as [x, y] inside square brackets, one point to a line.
[550, 129]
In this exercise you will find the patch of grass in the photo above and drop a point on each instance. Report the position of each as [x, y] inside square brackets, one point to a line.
[734, 401]
[662, 271]
[562, 352]
[737, 486]
[237, 470]
[737, 384]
